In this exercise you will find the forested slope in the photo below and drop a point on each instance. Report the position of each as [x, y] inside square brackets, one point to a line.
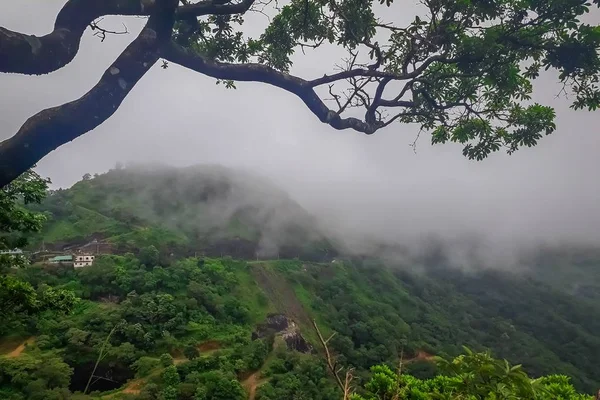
[186, 327]
[207, 209]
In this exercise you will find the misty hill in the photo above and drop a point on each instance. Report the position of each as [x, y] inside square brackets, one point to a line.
[208, 209]
[380, 303]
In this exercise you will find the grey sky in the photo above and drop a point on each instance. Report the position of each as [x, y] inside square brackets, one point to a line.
[375, 184]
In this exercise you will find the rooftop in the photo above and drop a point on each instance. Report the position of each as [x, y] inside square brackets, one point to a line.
[62, 258]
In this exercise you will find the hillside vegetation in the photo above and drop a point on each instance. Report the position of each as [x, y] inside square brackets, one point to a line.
[156, 322]
[182, 211]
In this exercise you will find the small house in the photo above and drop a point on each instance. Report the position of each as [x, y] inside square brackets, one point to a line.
[83, 260]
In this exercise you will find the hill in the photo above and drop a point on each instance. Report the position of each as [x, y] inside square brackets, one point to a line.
[204, 209]
[211, 307]
[188, 326]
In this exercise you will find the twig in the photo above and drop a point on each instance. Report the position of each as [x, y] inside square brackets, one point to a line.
[100, 357]
[330, 361]
[398, 373]
[414, 145]
[101, 32]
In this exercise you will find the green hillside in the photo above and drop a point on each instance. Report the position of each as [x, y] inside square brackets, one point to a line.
[214, 305]
[205, 209]
[164, 324]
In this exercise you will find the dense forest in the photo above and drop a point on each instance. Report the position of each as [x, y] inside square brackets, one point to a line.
[165, 312]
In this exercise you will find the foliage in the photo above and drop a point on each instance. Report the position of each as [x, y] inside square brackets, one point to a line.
[166, 360]
[469, 376]
[145, 365]
[463, 70]
[179, 212]
[217, 385]
[175, 305]
[17, 296]
[377, 312]
[35, 376]
[191, 352]
[292, 376]
[16, 221]
[149, 255]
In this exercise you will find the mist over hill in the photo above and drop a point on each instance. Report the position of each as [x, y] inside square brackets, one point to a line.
[533, 305]
[230, 211]
[197, 208]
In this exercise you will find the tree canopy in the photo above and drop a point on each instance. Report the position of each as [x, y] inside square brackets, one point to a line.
[461, 70]
[469, 376]
[18, 297]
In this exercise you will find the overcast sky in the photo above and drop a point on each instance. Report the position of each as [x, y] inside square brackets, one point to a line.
[373, 183]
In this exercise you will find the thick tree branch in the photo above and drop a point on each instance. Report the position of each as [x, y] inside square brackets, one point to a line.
[36, 55]
[213, 7]
[56, 126]
[265, 74]
[370, 114]
[28, 54]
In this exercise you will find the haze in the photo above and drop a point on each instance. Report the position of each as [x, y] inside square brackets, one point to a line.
[360, 185]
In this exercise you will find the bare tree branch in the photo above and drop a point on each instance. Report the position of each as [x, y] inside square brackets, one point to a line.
[328, 357]
[356, 72]
[53, 127]
[101, 32]
[346, 385]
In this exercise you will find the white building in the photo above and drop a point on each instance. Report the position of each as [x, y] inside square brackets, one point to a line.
[84, 260]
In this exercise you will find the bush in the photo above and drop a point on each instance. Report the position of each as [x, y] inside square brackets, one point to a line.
[166, 360]
[145, 365]
[191, 352]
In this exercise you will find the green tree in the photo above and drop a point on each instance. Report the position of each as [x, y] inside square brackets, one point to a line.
[16, 221]
[149, 256]
[219, 385]
[145, 365]
[191, 352]
[462, 69]
[35, 376]
[125, 352]
[166, 360]
[469, 376]
[170, 377]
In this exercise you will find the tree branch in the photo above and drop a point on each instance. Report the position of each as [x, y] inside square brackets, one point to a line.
[261, 73]
[36, 55]
[370, 114]
[356, 72]
[53, 127]
[101, 32]
[213, 7]
[329, 359]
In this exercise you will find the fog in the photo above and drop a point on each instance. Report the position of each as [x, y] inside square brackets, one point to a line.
[366, 189]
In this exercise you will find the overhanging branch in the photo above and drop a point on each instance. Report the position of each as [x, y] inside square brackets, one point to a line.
[261, 73]
[53, 127]
[36, 55]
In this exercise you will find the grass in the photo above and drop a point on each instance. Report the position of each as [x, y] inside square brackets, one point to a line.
[83, 222]
[141, 237]
[306, 299]
[252, 296]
